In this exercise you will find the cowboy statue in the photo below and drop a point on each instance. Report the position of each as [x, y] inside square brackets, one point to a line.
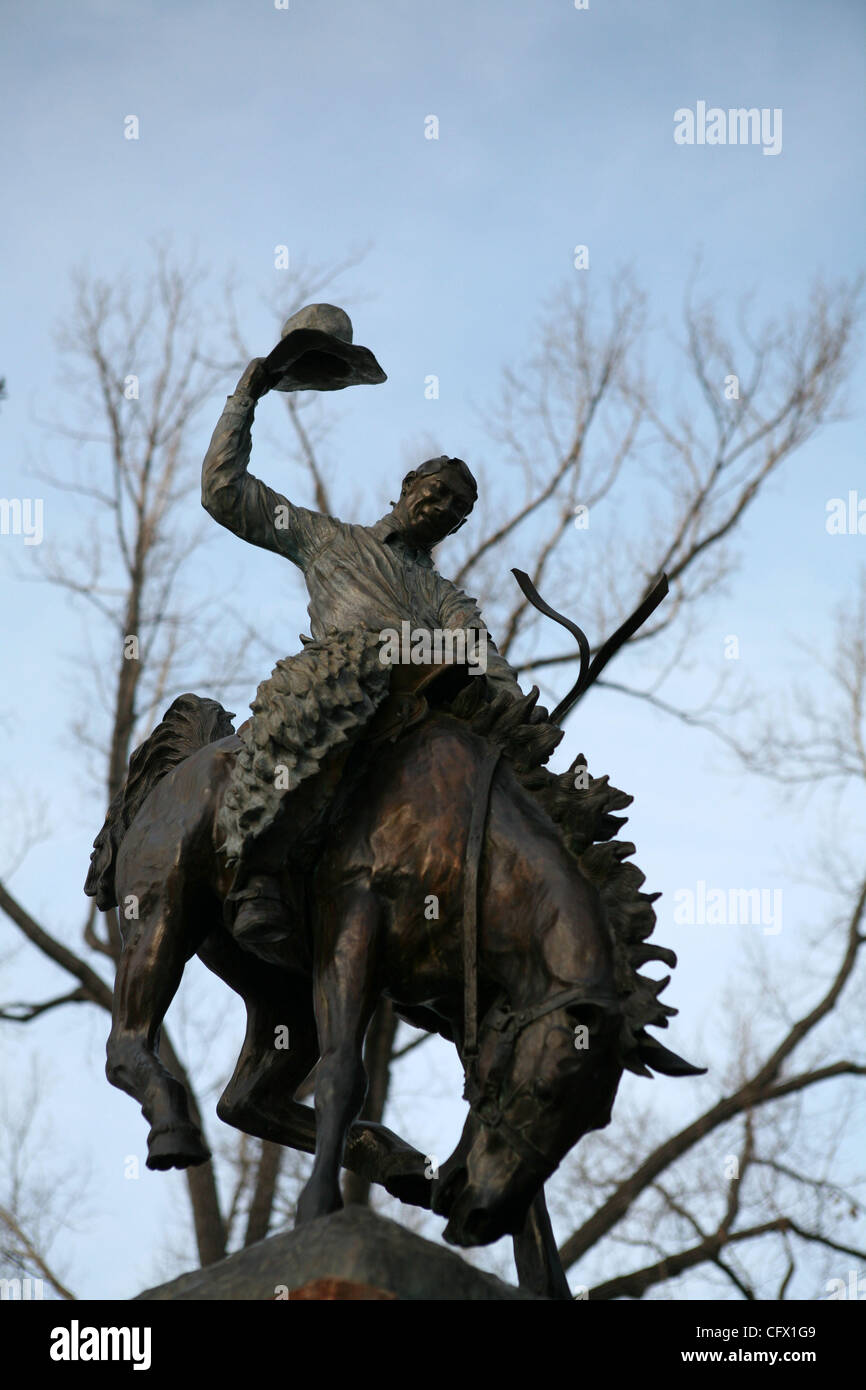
[374, 777]
[364, 582]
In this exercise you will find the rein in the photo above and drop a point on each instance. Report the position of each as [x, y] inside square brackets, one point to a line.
[471, 891]
[485, 1101]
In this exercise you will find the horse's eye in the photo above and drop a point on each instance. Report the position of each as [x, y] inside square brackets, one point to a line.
[541, 1090]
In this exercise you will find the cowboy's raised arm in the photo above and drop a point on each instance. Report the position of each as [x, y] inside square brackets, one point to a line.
[242, 503]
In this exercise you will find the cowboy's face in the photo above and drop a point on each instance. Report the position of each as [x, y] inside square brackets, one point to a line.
[432, 505]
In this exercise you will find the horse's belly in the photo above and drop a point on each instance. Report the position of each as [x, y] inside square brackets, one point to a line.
[420, 964]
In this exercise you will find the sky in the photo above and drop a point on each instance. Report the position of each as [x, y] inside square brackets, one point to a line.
[261, 127]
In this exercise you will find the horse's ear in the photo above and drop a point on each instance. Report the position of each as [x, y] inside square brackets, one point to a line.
[661, 1059]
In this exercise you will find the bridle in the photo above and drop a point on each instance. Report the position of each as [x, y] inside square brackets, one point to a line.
[486, 1101]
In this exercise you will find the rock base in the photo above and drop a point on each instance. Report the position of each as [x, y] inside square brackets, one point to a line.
[325, 1259]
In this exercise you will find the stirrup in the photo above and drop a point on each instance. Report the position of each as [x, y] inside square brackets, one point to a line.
[264, 886]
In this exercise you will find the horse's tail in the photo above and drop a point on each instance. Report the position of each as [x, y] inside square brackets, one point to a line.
[188, 724]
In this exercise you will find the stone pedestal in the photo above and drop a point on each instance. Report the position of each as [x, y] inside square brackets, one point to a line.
[354, 1254]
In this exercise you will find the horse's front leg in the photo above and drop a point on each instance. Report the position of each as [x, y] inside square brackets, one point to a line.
[345, 994]
[539, 1268]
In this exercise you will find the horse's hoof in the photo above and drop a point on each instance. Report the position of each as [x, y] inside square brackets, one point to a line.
[179, 1147]
[412, 1188]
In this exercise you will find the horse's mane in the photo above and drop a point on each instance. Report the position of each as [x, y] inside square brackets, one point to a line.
[188, 724]
[585, 819]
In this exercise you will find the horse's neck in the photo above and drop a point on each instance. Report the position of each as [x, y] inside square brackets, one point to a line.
[541, 930]
[536, 875]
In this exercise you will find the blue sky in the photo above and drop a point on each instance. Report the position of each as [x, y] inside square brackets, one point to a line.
[305, 127]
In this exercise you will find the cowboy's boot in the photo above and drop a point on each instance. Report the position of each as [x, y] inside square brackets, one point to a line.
[258, 908]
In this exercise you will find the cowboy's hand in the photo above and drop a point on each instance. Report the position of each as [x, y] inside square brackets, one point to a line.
[256, 380]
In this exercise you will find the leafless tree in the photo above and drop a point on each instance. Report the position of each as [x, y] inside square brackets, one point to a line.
[34, 1208]
[605, 478]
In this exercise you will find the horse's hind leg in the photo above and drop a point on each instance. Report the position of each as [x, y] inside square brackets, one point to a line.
[260, 1097]
[345, 997]
[280, 1047]
[148, 975]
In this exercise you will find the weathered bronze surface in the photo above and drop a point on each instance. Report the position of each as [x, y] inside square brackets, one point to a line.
[316, 353]
[301, 857]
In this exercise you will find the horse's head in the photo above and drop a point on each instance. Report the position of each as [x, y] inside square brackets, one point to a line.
[543, 1077]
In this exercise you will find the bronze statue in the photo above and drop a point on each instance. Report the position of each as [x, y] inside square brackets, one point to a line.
[382, 827]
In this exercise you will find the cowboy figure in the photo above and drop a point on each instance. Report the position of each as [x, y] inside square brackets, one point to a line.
[361, 580]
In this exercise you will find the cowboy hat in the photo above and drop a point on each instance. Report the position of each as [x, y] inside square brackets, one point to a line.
[316, 353]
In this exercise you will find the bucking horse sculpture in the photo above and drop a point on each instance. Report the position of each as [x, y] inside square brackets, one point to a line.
[296, 858]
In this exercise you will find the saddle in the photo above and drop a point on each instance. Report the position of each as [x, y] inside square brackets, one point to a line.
[414, 690]
[256, 908]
